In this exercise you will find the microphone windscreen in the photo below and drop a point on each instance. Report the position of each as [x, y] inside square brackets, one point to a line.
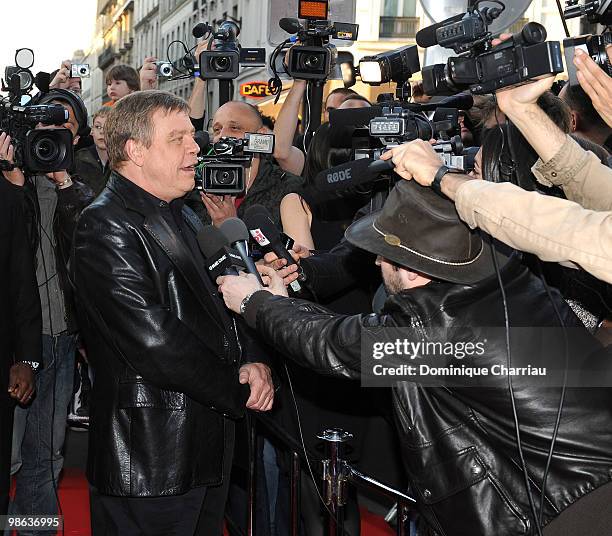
[201, 29]
[255, 209]
[347, 175]
[210, 240]
[42, 81]
[262, 222]
[290, 25]
[234, 230]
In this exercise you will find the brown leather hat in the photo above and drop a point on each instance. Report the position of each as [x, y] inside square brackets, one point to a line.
[420, 230]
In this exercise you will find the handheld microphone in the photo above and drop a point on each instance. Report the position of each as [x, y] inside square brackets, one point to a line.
[426, 37]
[237, 235]
[220, 258]
[269, 238]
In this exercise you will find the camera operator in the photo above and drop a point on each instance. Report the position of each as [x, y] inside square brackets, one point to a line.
[441, 275]
[20, 324]
[52, 203]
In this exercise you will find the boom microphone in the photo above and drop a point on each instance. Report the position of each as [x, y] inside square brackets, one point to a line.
[201, 29]
[426, 37]
[237, 235]
[349, 175]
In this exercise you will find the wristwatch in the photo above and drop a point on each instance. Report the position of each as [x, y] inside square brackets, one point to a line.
[245, 301]
[436, 185]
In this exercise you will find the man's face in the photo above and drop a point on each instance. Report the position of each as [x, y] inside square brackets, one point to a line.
[466, 134]
[115, 89]
[391, 276]
[97, 132]
[333, 102]
[168, 164]
[72, 124]
[233, 120]
[74, 85]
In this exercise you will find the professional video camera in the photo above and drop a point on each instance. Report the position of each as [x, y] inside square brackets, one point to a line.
[35, 150]
[596, 12]
[222, 164]
[315, 57]
[480, 67]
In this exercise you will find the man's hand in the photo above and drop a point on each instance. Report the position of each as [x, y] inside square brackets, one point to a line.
[7, 152]
[272, 280]
[148, 74]
[62, 79]
[596, 83]
[237, 287]
[21, 383]
[58, 177]
[219, 208]
[287, 273]
[415, 160]
[259, 378]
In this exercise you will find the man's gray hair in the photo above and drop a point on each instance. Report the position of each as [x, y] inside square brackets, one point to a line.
[131, 118]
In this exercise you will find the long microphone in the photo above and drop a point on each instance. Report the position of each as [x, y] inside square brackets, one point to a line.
[201, 29]
[266, 234]
[237, 235]
[345, 176]
[220, 258]
[426, 37]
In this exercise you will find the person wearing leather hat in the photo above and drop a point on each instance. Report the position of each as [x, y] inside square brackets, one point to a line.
[476, 467]
[52, 203]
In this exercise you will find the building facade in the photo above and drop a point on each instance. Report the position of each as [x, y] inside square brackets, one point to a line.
[130, 30]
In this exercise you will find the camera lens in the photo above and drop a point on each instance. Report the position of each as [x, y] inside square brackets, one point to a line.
[312, 61]
[221, 64]
[46, 149]
[224, 177]
[83, 70]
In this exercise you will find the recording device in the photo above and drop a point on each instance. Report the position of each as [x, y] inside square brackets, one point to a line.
[80, 70]
[221, 165]
[315, 57]
[480, 67]
[268, 237]
[224, 56]
[35, 150]
[220, 258]
[597, 12]
[164, 69]
[237, 235]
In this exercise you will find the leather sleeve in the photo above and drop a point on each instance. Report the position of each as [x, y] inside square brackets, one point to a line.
[289, 324]
[70, 203]
[25, 301]
[114, 287]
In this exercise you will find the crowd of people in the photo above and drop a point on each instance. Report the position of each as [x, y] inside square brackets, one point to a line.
[101, 264]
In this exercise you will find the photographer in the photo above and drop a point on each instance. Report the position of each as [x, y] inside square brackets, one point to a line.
[52, 203]
[62, 79]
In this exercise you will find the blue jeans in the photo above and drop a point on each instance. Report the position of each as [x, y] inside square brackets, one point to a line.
[40, 429]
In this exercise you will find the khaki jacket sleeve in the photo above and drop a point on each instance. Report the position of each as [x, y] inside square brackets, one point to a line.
[556, 230]
[580, 173]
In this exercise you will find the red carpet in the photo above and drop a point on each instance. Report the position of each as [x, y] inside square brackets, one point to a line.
[74, 497]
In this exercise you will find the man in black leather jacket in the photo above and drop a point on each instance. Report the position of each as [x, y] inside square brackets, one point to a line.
[167, 355]
[458, 439]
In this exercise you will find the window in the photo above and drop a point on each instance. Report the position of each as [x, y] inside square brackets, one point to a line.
[399, 8]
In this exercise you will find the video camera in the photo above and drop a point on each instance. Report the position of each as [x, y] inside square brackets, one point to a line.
[221, 165]
[596, 12]
[480, 67]
[35, 150]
